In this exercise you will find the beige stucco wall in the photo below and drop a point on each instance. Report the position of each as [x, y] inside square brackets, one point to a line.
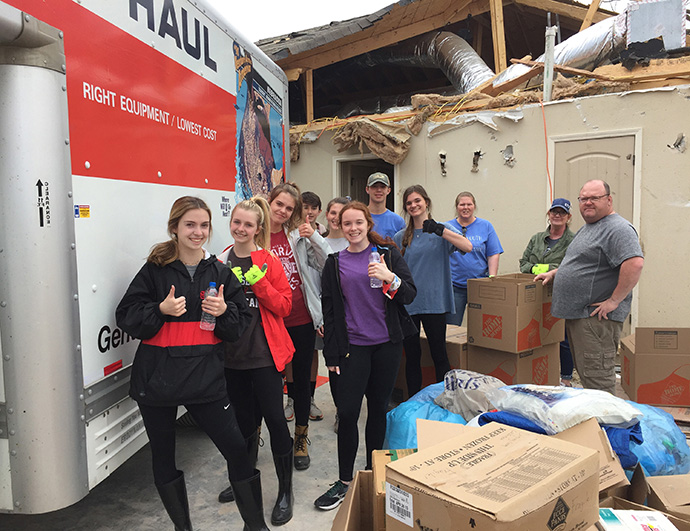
[515, 199]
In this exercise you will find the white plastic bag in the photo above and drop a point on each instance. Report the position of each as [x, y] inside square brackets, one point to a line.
[465, 392]
[559, 408]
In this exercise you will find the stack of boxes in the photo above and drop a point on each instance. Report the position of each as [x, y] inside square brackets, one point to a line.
[511, 333]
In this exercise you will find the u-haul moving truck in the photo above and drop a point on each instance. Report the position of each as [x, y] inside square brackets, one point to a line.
[109, 111]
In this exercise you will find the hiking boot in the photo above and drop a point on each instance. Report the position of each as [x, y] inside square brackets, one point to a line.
[301, 458]
[314, 411]
[333, 496]
[290, 409]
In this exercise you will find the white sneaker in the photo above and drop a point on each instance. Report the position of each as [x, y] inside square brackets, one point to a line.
[314, 411]
[290, 409]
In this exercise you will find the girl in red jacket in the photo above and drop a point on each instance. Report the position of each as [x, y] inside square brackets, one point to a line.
[253, 363]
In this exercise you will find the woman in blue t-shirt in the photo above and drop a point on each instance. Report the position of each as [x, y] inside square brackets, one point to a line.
[481, 262]
[426, 247]
[364, 328]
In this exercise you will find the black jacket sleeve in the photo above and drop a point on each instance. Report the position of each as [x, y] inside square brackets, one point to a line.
[329, 294]
[138, 313]
[232, 324]
[407, 290]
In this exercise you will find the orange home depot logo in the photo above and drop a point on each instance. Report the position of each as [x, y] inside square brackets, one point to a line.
[492, 326]
[675, 389]
[540, 371]
[547, 319]
[529, 336]
[505, 372]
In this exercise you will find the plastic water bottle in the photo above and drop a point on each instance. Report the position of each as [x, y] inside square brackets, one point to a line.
[375, 257]
[208, 321]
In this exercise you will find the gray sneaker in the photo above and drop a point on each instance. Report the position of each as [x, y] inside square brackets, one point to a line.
[333, 496]
[290, 409]
[314, 412]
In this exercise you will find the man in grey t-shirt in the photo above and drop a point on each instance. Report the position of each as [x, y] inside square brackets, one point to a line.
[592, 287]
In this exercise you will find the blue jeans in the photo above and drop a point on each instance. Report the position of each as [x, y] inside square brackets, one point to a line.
[460, 296]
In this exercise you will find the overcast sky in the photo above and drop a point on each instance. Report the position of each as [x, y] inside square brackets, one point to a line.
[269, 18]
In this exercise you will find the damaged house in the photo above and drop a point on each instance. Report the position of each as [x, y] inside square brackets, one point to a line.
[450, 95]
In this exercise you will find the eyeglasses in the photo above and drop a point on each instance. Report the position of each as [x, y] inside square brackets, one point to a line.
[561, 213]
[583, 200]
[464, 230]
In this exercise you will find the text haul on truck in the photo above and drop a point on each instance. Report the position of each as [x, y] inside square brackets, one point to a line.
[109, 111]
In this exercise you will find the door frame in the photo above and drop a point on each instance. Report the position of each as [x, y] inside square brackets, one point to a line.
[637, 184]
[337, 174]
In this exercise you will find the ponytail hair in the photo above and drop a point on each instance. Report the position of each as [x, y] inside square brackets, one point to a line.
[167, 252]
[259, 206]
[409, 230]
[372, 236]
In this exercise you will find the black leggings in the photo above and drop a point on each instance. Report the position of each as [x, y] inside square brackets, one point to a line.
[303, 337]
[217, 419]
[262, 387]
[368, 371]
[435, 328]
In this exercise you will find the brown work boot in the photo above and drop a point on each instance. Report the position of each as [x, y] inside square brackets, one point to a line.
[301, 451]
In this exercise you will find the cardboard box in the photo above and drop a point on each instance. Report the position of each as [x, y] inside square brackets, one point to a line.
[587, 433]
[494, 478]
[656, 366]
[541, 366]
[670, 494]
[456, 347]
[590, 434]
[379, 460]
[511, 313]
[356, 511]
[620, 503]
[633, 520]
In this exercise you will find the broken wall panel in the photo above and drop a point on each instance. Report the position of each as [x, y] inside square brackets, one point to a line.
[516, 199]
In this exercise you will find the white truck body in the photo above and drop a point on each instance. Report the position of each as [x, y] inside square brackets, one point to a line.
[109, 111]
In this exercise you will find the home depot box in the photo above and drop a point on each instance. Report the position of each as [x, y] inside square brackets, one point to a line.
[541, 366]
[511, 313]
[355, 513]
[656, 366]
[379, 460]
[494, 478]
[456, 347]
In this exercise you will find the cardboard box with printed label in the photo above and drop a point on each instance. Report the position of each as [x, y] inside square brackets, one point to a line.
[656, 366]
[379, 460]
[587, 433]
[539, 366]
[511, 313]
[494, 478]
[615, 502]
[456, 347]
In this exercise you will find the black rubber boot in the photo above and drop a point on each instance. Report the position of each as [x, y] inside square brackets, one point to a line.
[174, 498]
[250, 503]
[252, 445]
[282, 510]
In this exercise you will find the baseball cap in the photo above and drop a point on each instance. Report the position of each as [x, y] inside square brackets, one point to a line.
[559, 203]
[378, 177]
